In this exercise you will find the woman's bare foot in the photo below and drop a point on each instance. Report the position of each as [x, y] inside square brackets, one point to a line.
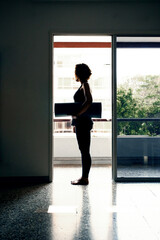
[81, 181]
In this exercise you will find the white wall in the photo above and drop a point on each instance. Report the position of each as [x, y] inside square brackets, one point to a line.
[68, 147]
[25, 147]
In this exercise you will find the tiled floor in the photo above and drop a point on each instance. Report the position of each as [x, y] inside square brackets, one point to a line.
[102, 210]
[139, 171]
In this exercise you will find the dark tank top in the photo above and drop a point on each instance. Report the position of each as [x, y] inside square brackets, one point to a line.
[79, 95]
[84, 120]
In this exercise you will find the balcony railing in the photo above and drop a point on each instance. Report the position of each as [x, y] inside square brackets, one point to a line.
[137, 119]
[63, 125]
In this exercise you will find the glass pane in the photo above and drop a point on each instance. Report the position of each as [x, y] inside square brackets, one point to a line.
[138, 107]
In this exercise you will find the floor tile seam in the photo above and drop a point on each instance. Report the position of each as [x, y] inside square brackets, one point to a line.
[151, 228]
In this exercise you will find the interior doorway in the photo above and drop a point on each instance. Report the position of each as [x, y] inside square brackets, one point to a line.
[95, 51]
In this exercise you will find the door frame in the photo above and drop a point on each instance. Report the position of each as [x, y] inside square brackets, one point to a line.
[51, 103]
[114, 108]
[114, 112]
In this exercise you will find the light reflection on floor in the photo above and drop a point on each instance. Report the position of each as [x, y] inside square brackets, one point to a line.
[62, 209]
[92, 216]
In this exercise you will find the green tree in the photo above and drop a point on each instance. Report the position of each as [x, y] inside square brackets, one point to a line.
[139, 98]
[126, 104]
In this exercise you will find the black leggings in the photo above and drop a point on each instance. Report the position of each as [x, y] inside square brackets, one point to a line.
[84, 138]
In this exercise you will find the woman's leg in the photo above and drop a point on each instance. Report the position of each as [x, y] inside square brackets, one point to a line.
[84, 138]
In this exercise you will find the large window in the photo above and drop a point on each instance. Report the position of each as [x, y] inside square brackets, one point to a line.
[138, 107]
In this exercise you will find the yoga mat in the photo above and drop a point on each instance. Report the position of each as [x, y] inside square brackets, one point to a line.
[70, 109]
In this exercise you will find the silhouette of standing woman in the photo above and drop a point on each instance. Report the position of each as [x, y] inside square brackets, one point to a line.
[82, 122]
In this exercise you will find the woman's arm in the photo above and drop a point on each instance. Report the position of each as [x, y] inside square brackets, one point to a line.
[88, 98]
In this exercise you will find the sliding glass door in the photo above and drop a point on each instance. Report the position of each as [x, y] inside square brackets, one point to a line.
[137, 97]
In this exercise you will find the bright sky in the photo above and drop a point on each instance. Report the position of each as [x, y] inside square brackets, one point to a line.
[131, 62]
[82, 38]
